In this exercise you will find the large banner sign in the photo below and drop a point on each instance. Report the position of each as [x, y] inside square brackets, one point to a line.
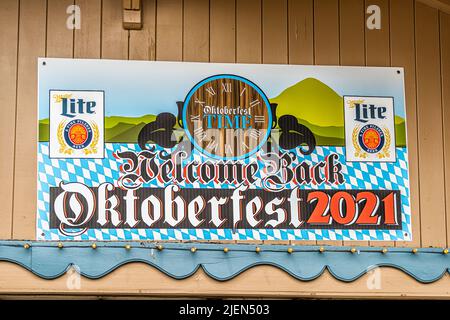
[134, 150]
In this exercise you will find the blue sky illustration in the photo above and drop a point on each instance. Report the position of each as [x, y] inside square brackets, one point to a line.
[136, 88]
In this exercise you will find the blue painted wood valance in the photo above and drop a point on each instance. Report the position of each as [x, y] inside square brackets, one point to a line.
[222, 262]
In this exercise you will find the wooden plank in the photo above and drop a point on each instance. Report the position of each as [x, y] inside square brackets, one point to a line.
[127, 4]
[59, 37]
[431, 168]
[326, 46]
[378, 54]
[326, 32]
[143, 42]
[445, 67]
[132, 16]
[403, 55]
[351, 29]
[87, 42]
[132, 19]
[196, 30]
[442, 5]
[32, 35]
[136, 4]
[139, 280]
[114, 37]
[377, 40]
[169, 30]
[222, 38]
[301, 31]
[274, 31]
[248, 26]
[352, 47]
[9, 17]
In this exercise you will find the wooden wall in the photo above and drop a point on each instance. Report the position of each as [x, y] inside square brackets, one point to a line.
[413, 35]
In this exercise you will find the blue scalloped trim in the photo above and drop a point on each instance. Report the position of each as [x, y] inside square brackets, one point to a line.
[176, 260]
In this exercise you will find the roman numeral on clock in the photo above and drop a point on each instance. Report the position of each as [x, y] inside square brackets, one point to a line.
[199, 133]
[228, 149]
[211, 91]
[212, 146]
[199, 102]
[254, 103]
[226, 87]
[260, 119]
[244, 147]
[254, 134]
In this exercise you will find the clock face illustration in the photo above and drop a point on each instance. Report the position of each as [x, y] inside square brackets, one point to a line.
[227, 117]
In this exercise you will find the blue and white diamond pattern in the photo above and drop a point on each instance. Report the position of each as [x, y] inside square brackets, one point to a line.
[92, 172]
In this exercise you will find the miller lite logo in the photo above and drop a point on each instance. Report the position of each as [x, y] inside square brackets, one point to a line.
[76, 124]
[369, 129]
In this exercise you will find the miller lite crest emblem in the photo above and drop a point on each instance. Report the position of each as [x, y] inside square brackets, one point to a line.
[76, 124]
[369, 129]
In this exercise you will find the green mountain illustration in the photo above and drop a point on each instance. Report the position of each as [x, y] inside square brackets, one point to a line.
[320, 108]
[315, 105]
[117, 130]
[313, 101]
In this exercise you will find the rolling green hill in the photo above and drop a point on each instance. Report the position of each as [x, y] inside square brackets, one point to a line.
[117, 130]
[315, 105]
[128, 135]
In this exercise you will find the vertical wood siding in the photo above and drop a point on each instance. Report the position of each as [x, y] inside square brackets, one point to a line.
[9, 36]
[327, 32]
[222, 31]
[87, 42]
[301, 32]
[32, 44]
[429, 107]
[445, 77]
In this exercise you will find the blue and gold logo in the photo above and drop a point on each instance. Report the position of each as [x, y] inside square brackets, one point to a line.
[371, 138]
[78, 134]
